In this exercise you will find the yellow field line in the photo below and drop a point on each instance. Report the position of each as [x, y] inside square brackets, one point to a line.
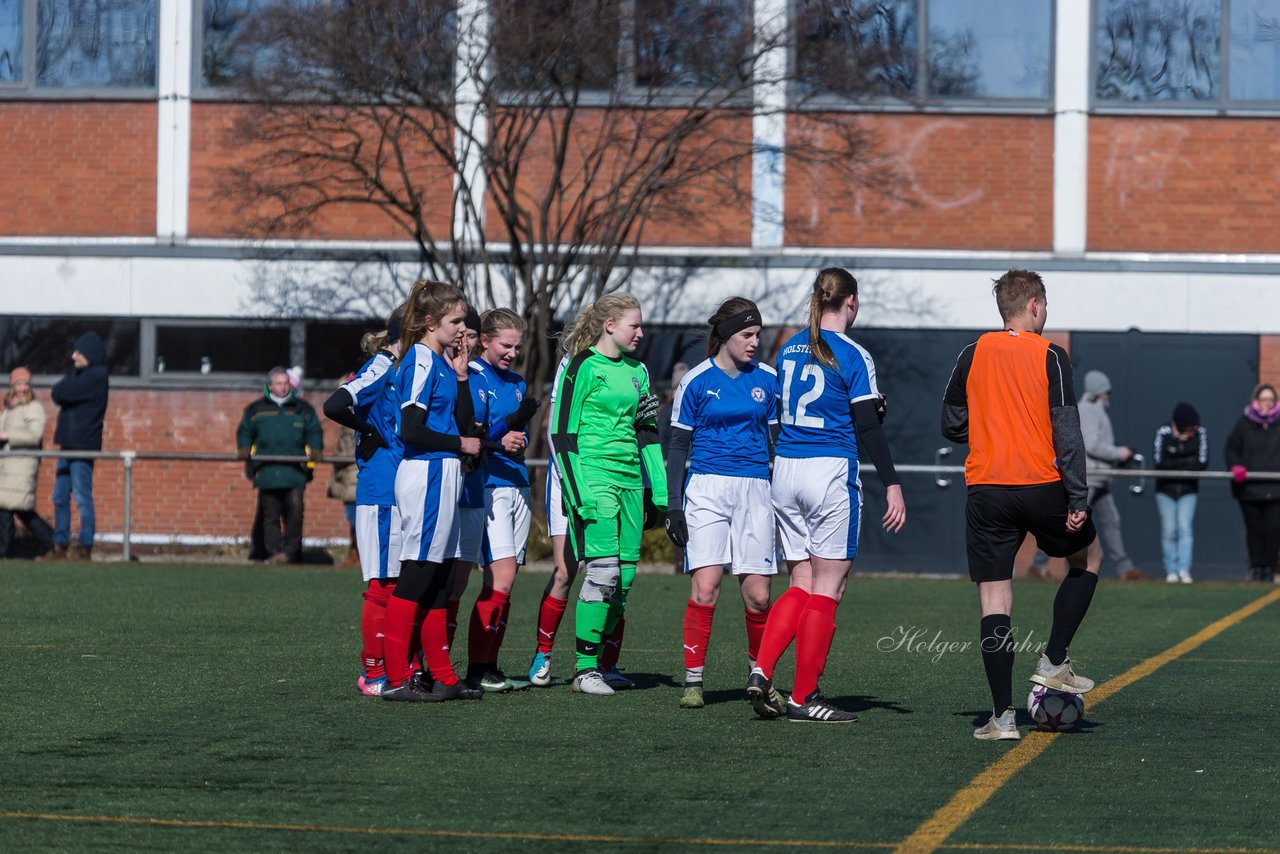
[1101, 849]
[930, 835]
[440, 834]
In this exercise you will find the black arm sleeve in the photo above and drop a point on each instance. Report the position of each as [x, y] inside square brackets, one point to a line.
[677, 457]
[338, 408]
[872, 441]
[775, 430]
[414, 431]
[1068, 440]
[955, 401]
[464, 411]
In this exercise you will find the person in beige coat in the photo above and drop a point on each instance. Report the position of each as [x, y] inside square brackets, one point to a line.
[21, 427]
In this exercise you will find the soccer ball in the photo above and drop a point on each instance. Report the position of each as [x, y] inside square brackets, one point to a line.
[1054, 711]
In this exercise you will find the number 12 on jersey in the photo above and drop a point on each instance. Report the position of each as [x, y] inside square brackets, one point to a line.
[809, 373]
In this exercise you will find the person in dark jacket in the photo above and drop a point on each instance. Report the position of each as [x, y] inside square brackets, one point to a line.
[1254, 445]
[81, 396]
[1180, 445]
[280, 424]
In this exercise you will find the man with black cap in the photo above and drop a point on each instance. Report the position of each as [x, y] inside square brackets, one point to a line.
[1181, 445]
[81, 396]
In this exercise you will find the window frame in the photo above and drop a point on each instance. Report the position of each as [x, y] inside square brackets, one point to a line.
[923, 102]
[30, 90]
[148, 374]
[1223, 105]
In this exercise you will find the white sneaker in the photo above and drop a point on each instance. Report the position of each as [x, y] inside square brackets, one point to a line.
[1002, 727]
[1060, 677]
[1172, 578]
[1184, 577]
[591, 682]
[540, 669]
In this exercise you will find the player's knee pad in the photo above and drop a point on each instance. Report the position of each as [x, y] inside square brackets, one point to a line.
[601, 581]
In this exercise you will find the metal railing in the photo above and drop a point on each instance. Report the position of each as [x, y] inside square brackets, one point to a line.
[939, 470]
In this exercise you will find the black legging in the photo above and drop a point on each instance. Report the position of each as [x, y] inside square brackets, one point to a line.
[1262, 532]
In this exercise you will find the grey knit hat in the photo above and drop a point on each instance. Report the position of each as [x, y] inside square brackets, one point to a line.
[1096, 383]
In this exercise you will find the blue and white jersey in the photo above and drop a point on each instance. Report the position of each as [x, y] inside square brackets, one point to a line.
[729, 417]
[504, 391]
[374, 394]
[428, 382]
[551, 408]
[816, 415]
[473, 481]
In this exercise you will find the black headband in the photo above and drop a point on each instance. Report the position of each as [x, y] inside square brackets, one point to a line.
[738, 322]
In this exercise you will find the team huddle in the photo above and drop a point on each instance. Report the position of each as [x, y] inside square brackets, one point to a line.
[763, 462]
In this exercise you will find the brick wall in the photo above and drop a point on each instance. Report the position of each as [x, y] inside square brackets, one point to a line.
[958, 182]
[1179, 184]
[78, 169]
[1269, 358]
[184, 498]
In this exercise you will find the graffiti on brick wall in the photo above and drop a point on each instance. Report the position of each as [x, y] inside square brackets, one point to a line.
[1141, 157]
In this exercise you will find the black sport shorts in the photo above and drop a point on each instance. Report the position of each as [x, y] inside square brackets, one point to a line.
[998, 518]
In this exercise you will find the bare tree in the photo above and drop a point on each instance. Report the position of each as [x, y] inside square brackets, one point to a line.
[525, 147]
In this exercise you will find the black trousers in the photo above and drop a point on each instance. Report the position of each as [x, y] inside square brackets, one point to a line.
[281, 513]
[38, 527]
[1262, 532]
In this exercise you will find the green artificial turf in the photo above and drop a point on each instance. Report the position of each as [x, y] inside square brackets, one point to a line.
[214, 708]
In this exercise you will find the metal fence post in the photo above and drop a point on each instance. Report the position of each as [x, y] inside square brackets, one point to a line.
[127, 458]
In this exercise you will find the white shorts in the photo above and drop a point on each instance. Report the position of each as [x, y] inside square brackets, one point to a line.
[557, 522]
[819, 505]
[730, 522]
[506, 526]
[427, 493]
[378, 540]
[470, 534]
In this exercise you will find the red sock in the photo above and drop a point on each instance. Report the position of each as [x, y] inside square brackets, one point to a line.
[435, 633]
[415, 640]
[755, 630]
[484, 624]
[612, 647]
[784, 616]
[697, 633]
[501, 633]
[813, 642]
[373, 618]
[451, 619]
[398, 630]
[550, 613]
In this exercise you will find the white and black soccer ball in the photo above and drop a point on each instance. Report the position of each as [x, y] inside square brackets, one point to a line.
[1054, 711]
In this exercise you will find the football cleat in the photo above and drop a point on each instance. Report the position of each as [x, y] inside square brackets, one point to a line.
[371, 687]
[692, 698]
[817, 710]
[540, 670]
[1002, 727]
[615, 680]
[591, 682]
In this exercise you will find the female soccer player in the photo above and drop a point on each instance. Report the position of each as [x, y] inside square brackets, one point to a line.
[829, 421]
[604, 432]
[506, 493]
[471, 502]
[723, 410]
[435, 408]
[367, 404]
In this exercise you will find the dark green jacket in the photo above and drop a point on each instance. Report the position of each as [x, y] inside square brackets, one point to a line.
[287, 429]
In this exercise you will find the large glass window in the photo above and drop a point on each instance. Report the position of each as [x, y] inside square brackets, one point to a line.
[857, 49]
[96, 44]
[333, 347]
[44, 344]
[989, 49]
[556, 44]
[1158, 50]
[693, 43]
[219, 349]
[1254, 50]
[10, 41]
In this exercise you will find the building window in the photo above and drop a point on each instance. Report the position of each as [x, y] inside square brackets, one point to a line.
[1253, 50]
[95, 45]
[569, 45]
[924, 51]
[189, 348]
[693, 43]
[1157, 50]
[44, 345]
[333, 347]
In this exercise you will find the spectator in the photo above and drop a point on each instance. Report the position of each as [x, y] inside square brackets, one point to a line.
[342, 486]
[82, 399]
[1254, 445]
[280, 424]
[21, 427]
[1180, 445]
[678, 370]
[1101, 452]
